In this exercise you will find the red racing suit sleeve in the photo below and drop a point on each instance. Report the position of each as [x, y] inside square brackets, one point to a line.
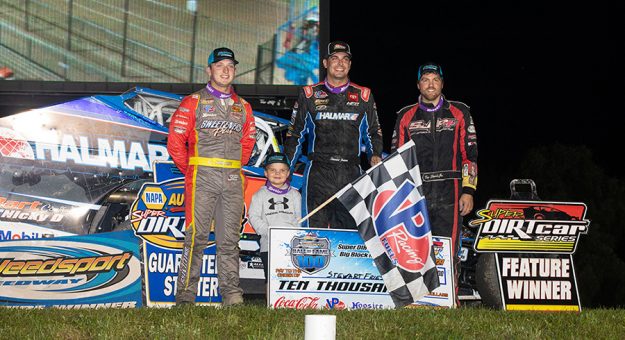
[182, 131]
[248, 137]
[468, 149]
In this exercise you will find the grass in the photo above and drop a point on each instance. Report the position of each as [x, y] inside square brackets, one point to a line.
[254, 321]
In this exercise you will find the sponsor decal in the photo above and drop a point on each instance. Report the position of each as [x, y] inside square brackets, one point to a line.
[322, 101]
[366, 305]
[446, 124]
[321, 94]
[71, 272]
[336, 116]
[27, 209]
[157, 216]
[11, 231]
[237, 108]
[310, 253]
[400, 222]
[305, 302]
[531, 227]
[221, 126]
[335, 303]
[102, 152]
[352, 97]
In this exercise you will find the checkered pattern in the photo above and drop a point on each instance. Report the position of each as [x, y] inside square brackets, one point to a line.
[405, 287]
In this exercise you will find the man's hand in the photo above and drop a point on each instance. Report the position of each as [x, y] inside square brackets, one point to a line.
[466, 204]
[375, 160]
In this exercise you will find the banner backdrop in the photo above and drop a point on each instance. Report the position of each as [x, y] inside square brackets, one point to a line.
[92, 271]
[332, 269]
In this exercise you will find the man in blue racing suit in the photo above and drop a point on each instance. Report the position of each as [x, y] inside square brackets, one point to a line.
[336, 118]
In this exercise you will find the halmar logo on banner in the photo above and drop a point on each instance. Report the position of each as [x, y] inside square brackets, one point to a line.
[533, 242]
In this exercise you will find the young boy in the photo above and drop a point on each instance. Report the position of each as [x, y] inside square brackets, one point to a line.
[275, 204]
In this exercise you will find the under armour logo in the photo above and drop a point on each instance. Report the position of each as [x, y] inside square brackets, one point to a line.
[274, 203]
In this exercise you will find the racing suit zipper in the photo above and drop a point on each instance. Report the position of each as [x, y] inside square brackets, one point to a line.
[434, 142]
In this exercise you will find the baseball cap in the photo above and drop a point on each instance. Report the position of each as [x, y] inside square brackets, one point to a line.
[338, 46]
[221, 53]
[277, 157]
[429, 68]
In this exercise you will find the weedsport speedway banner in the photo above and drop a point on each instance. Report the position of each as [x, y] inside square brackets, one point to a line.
[332, 269]
[92, 271]
[533, 242]
[157, 217]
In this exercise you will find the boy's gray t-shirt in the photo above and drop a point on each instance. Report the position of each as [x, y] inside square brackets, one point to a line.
[270, 209]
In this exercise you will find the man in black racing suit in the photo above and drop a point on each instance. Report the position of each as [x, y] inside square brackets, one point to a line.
[446, 144]
[338, 118]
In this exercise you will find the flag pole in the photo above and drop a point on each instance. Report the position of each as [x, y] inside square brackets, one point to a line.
[318, 208]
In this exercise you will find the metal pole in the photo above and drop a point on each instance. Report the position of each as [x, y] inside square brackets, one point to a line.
[193, 39]
[27, 14]
[69, 24]
[125, 39]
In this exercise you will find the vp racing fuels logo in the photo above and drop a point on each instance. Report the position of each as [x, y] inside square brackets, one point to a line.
[157, 216]
[310, 253]
[402, 224]
[530, 227]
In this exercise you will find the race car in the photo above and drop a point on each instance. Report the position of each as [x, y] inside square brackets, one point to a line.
[75, 168]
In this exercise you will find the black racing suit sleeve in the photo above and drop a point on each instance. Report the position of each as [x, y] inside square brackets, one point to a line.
[297, 130]
[401, 135]
[374, 131]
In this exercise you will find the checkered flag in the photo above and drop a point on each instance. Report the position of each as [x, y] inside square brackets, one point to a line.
[390, 211]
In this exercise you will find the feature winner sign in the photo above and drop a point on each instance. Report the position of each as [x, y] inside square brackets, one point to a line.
[533, 242]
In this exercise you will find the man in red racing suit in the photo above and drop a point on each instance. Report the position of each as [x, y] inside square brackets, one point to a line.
[446, 143]
[211, 135]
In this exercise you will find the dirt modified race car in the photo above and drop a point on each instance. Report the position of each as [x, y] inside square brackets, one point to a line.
[76, 167]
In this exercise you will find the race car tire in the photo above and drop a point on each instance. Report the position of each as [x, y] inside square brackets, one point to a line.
[487, 281]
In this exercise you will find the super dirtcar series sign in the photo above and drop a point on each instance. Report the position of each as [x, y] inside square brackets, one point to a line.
[332, 269]
[533, 226]
[533, 242]
[92, 271]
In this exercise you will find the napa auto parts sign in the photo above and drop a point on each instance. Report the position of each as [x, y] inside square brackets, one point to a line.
[533, 242]
[92, 271]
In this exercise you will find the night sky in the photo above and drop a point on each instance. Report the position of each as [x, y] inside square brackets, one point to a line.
[532, 75]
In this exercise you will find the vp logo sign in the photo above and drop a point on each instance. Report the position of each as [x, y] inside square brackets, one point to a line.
[402, 224]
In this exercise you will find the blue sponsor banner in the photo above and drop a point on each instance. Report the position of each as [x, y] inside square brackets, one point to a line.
[91, 271]
[161, 273]
[332, 269]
